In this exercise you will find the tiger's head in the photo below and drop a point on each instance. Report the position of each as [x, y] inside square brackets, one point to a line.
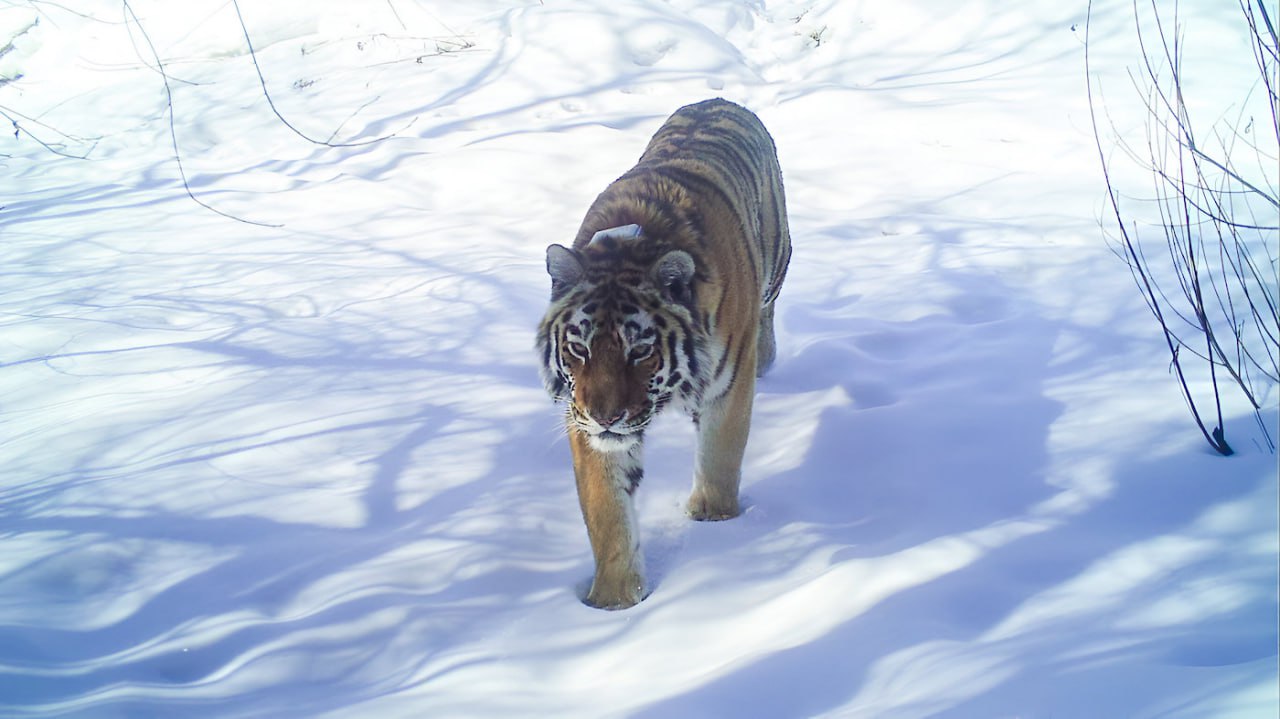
[619, 341]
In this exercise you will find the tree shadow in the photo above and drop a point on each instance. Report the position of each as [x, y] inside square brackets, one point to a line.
[208, 384]
[972, 643]
[271, 597]
[960, 546]
[246, 498]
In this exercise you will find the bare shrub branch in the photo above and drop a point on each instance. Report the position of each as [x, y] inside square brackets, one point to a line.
[173, 131]
[1217, 221]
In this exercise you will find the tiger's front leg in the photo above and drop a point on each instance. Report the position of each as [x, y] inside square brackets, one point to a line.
[722, 440]
[606, 481]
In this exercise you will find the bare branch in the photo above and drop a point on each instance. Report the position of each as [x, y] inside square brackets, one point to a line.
[1217, 259]
[173, 132]
[1214, 438]
[262, 80]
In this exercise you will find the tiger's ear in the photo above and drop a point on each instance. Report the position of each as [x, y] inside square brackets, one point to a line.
[673, 273]
[565, 269]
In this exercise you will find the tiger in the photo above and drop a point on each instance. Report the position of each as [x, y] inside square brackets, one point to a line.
[666, 297]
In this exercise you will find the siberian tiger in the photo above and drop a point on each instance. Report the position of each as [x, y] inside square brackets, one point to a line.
[666, 298]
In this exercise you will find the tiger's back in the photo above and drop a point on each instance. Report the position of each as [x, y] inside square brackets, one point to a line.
[708, 183]
[666, 296]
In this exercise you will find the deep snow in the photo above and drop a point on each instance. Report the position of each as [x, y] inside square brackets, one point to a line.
[305, 467]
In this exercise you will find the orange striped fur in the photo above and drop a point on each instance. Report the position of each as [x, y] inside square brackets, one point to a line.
[666, 297]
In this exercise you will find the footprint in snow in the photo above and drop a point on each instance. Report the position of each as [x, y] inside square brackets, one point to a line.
[651, 55]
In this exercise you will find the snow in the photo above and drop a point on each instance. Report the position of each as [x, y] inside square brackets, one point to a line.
[305, 467]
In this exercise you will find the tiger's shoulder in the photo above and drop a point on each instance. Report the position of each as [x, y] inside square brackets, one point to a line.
[707, 183]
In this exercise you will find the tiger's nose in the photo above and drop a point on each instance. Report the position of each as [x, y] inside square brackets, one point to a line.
[607, 420]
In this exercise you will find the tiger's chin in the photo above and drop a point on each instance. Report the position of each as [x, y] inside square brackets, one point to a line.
[609, 441]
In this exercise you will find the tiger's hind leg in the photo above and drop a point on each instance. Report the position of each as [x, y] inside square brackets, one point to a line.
[766, 346]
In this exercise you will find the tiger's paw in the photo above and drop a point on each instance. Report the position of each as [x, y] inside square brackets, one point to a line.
[614, 593]
[703, 509]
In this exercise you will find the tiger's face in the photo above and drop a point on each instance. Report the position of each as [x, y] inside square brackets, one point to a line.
[617, 353]
[612, 363]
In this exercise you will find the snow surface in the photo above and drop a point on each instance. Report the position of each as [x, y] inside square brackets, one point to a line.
[305, 468]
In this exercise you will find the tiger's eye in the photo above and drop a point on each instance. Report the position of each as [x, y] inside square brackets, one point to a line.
[640, 353]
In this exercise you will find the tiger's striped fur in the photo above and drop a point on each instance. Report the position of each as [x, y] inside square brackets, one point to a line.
[675, 310]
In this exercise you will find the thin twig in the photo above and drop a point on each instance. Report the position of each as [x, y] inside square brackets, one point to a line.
[173, 132]
[1203, 200]
[262, 80]
[1214, 439]
[19, 129]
